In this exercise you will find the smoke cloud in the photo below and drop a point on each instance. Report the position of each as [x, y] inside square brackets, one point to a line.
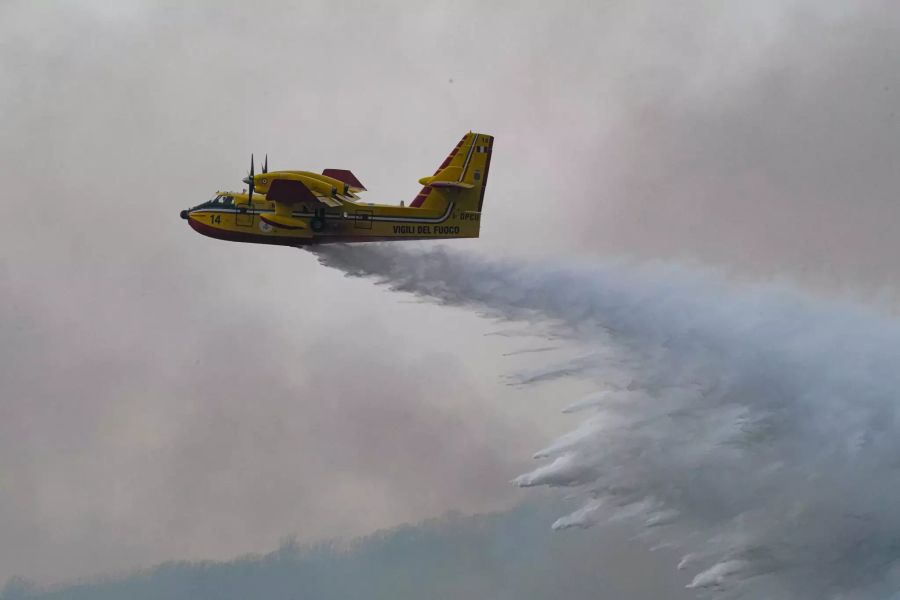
[752, 428]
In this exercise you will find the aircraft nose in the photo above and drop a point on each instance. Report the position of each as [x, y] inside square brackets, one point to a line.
[184, 214]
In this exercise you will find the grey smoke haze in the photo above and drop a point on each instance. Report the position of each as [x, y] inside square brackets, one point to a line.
[164, 396]
[752, 429]
[786, 164]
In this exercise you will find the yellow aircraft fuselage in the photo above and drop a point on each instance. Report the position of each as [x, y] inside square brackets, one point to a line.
[297, 208]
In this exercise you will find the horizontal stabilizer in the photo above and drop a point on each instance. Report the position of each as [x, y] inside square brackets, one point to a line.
[347, 177]
[431, 181]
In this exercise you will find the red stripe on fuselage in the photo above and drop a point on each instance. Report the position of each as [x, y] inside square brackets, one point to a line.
[255, 238]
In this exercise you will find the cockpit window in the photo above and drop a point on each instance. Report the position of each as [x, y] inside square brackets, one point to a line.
[220, 200]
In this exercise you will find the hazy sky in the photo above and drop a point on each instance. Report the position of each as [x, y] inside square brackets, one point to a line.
[166, 395]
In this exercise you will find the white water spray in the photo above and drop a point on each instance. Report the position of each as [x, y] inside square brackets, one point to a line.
[753, 428]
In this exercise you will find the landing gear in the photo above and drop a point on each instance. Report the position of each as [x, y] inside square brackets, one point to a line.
[317, 223]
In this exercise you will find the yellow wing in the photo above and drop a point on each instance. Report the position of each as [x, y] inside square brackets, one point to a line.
[286, 194]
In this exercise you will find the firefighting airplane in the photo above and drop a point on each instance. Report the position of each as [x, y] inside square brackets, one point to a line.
[298, 208]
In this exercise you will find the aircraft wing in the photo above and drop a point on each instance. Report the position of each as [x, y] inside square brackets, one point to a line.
[329, 201]
[345, 176]
[289, 192]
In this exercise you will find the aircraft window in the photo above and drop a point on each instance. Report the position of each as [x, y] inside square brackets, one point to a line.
[228, 200]
[211, 202]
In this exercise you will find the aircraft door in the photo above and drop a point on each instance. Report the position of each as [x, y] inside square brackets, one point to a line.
[363, 219]
[243, 217]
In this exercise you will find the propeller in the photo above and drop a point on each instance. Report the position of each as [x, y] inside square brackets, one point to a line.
[249, 180]
[266, 165]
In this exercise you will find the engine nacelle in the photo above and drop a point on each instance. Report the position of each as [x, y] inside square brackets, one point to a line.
[319, 185]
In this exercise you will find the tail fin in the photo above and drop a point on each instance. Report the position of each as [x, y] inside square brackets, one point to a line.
[464, 173]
